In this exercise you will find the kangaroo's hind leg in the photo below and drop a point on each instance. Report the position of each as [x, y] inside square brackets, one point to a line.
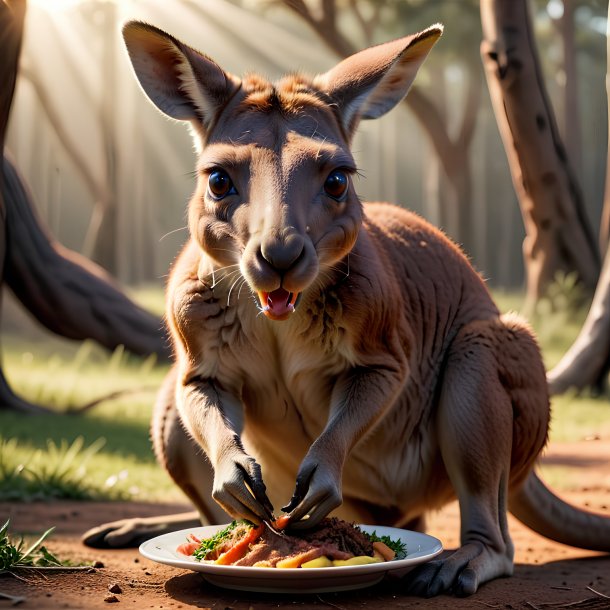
[186, 464]
[475, 426]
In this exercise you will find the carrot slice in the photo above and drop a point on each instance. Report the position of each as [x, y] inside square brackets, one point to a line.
[384, 550]
[240, 548]
[281, 522]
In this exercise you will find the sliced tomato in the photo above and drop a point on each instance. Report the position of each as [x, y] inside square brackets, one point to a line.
[188, 548]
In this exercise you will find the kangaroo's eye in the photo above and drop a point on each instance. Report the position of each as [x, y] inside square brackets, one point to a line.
[219, 184]
[336, 184]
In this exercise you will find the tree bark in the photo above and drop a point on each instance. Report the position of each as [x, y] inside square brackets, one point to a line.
[66, 292]
[558, 234]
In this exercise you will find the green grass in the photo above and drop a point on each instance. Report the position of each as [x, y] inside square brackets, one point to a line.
[58, 471]
[574, 418]
[150, 296]
[65, 376]
[15, 554]
[106, 452]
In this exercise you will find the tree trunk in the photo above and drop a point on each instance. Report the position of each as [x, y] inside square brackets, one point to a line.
[12, 14]
[571, 111]
[587, 362]
[66, 292]
[558, 234]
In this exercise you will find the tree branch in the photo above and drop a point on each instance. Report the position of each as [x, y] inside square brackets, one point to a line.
[325, 27]
[369, 25]
[433, 123]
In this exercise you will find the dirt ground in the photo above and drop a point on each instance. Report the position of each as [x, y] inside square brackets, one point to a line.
[547, 575]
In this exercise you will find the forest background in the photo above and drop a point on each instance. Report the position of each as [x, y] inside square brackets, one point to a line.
[111, 177]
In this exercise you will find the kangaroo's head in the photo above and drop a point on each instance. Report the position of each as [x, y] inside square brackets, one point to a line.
[274, 191]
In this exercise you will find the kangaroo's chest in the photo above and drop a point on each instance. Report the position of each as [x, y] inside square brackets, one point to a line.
[287, 406]
[286, 376]
[287, 390]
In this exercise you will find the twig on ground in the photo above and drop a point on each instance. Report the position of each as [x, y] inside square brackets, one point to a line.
[111, 396]
[589, 602]
[56, 568]
[598, 593]
[329, 603]
[25, 580]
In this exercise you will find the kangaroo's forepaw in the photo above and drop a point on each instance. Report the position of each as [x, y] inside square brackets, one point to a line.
[461, 573]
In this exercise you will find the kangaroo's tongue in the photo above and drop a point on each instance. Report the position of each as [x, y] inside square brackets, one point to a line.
[279, 304]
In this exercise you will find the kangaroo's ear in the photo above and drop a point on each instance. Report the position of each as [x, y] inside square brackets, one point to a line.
[181, 82]
[368, 84]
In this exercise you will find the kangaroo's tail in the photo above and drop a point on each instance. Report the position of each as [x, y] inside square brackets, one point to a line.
[541, 510]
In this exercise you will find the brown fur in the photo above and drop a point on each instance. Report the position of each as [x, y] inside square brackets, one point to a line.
[394, 386]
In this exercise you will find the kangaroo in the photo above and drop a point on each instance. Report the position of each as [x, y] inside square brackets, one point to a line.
[348, 352]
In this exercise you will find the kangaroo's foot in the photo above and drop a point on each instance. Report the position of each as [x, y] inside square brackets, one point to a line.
[460, 573]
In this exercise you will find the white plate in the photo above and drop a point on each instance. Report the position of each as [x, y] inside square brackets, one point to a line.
[420, 548]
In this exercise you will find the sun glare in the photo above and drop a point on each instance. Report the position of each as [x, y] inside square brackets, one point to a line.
[55, 6]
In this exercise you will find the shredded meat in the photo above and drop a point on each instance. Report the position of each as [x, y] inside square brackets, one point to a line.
[332, 538]
[343, 535]
[271, 549]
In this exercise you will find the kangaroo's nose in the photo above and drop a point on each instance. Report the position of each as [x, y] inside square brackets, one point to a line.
[282, 252]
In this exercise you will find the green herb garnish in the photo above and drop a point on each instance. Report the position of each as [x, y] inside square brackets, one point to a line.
[209, 544]
[399, 547]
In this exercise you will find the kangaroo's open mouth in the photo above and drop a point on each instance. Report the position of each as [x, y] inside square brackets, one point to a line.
[279, 304]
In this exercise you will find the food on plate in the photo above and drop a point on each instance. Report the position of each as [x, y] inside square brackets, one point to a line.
[333, 542]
